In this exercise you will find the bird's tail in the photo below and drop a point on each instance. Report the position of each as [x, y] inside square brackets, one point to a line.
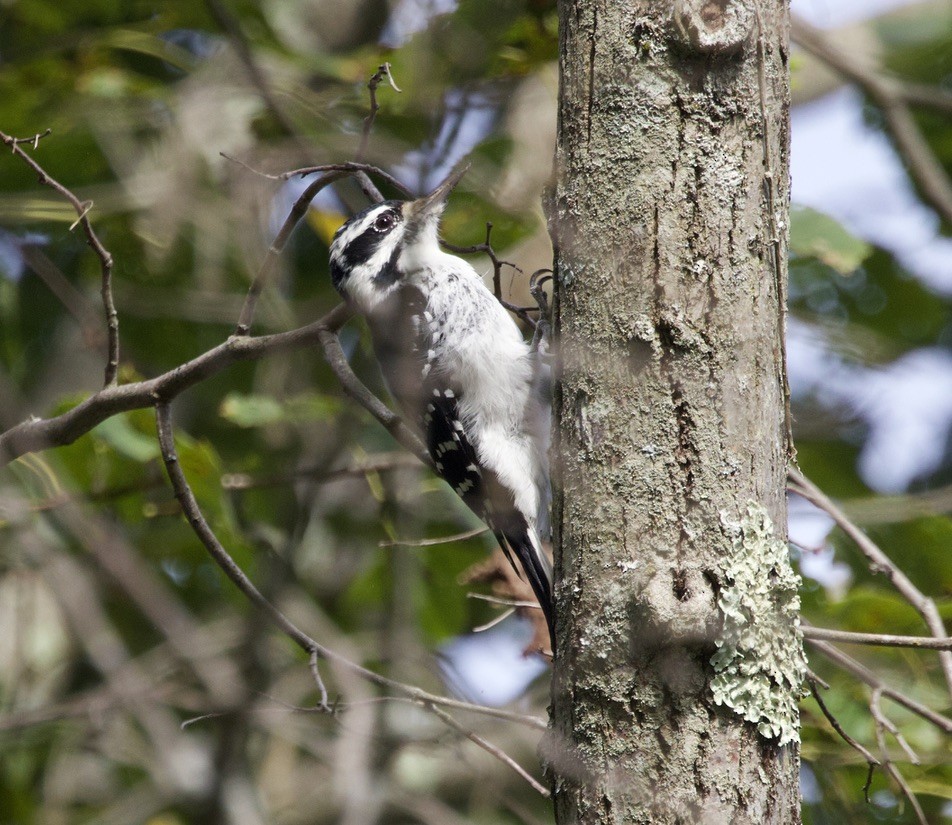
[525, 545]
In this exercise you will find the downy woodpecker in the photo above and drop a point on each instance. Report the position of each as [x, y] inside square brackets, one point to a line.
[458, 367]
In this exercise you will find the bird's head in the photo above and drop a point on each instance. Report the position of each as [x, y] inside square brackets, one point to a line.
[377, 249]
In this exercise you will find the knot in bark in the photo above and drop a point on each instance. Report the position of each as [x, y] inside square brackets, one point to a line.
[679, 607]
[713, 26]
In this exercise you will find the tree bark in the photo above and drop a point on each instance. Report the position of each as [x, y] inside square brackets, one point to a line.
[680, 657]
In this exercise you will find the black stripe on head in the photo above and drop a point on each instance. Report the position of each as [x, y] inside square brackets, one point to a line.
[357, 240]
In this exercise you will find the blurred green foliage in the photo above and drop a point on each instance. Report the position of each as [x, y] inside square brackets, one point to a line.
[142, 99]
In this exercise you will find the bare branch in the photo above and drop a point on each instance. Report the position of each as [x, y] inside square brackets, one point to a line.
[331, 172]
[352, 385]
[864, 674]
[879, 562]
[304, 171]
[482, 628]
[38, 434]
[888, 509]
[490, 748]
[486, 248]
[34, 140]
[482, 597]
[876, 639]
[316, 673]
[186, 498]
[933, 97]
[887, 724]
[456, 704]
[105, 259]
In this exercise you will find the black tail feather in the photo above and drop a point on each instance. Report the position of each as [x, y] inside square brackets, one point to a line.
[525, 546]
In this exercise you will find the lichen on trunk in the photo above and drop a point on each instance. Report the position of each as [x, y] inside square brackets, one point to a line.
[668, 219]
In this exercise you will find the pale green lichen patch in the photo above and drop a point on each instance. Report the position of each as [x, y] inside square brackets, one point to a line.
[759, 665]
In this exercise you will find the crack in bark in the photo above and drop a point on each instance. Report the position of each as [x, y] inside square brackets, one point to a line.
[680, 586]
[686, 451]
[591, 73]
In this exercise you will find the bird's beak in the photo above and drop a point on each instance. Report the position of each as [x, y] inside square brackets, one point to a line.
[427, 210]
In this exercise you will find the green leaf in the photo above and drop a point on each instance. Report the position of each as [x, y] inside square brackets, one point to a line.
[932, 787]
[251, 410]
[312, 406]
[248, 410]
[815, 235]
[119, 434]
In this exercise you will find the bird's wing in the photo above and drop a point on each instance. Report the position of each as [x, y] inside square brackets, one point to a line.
[457, 463]
[450, 448]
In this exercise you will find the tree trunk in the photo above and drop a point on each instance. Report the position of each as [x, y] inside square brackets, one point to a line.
[680, 657]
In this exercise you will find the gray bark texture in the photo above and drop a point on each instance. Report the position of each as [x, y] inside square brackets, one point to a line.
[679, 653]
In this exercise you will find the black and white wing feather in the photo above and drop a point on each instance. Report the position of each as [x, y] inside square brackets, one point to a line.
[457, 462]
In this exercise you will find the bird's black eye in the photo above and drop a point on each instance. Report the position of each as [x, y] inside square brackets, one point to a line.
[383, 222]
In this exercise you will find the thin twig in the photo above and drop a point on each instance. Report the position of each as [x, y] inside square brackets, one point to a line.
[34, 140]
[353, 386]
[483, 710]
[186, 498]
[304, 171]
[490, 748]
[263, 276]
[876, 639]
[482, 597]
[316, 673]
[880, 718]
[467, 534]
[105, 259]
[383, 71]
[486, 248]
[879, 562]
[813, 681]
[933, 97]
[888, 509]
[482, 628]
[299, 209]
